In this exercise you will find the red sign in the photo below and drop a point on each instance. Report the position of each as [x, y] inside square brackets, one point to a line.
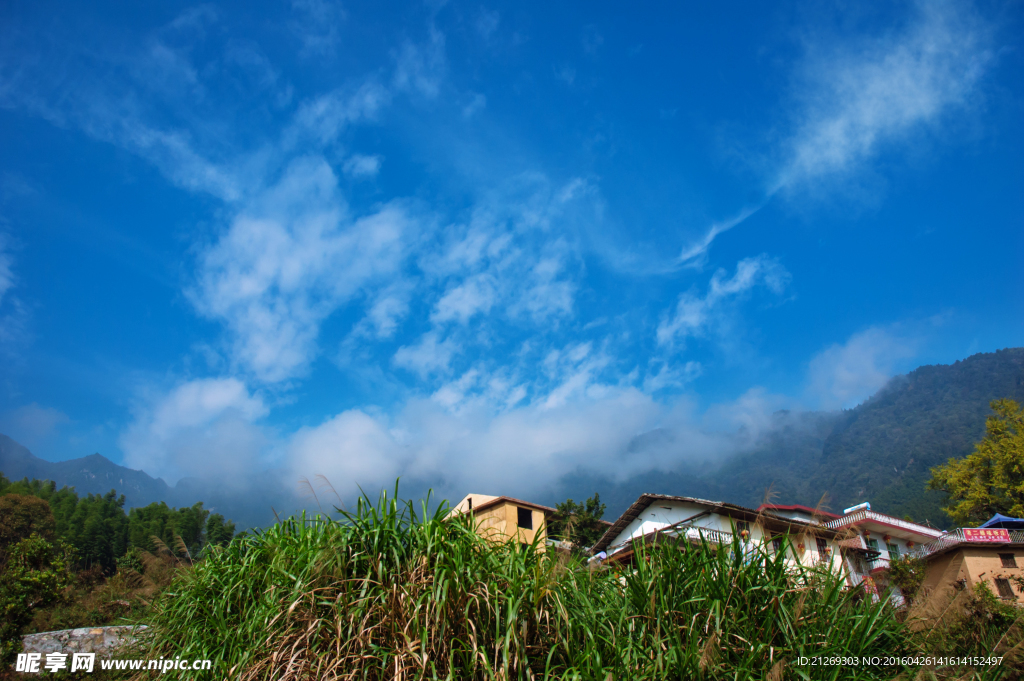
[975, 534]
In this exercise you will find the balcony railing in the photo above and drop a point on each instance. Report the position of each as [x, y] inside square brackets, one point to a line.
[863, 515]
[956, 537]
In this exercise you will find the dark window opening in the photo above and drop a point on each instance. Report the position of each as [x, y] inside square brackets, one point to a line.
[777, 543]
[822, 545]
[1008, 560]
[1005, 591]
[742, 526]
[525, 519]
[471, 503]
[894, 551]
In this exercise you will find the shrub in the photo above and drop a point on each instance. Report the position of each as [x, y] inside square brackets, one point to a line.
[33, 574]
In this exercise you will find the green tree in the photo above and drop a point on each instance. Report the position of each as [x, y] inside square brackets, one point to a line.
[578, 523]
[990, 480]
[218, 531]
[22, 515]
[33, 575]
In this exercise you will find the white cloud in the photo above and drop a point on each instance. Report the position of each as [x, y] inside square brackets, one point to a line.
[315, 24]
[362, 165]
[287, 261]
[845, 375]
[32, 424]
[670, 376]
[881, 92]
[420, 68]
[351, 449]
[511, 256]
[429, 356]
[477, 104]
[695, 315]
[526, 449]
[6, 268]
[474, 295]
[327, 116]
[695, 254]
[13, 313]
[857, 100]
[487, 23]
[203, 428]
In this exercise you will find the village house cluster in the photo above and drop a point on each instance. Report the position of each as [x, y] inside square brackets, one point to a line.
[859, 544]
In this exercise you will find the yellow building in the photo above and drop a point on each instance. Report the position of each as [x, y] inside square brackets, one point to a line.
[504, 518]
[958, 560]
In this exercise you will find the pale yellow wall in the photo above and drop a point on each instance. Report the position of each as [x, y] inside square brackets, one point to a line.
[984, 565]
[478, 500]
[975, 565]
[500, 521]
[942, 573]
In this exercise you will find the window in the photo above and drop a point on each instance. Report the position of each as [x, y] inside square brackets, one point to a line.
[1005, 591]
[1008, 560]
[742, 526]
[777, 543]
[822, 545]
[873, 544]
[525, 519]
[894, 551]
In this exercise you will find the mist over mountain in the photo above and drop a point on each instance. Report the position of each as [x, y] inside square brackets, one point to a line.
[881, 451]
[251, 506]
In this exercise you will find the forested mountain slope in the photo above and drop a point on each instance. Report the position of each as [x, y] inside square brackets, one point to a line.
[881, 451]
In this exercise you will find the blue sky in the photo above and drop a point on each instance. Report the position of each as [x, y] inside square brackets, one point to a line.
[485, 245]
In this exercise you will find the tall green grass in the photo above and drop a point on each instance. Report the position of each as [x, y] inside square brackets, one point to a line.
[391, 593]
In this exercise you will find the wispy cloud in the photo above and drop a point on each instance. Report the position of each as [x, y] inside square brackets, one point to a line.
[860, 98]
[362, 165]
[865, 96]
[202, 427]
[420, 68]
[287, 261]
[431, 355]
[316, 24]
[695, 255]
[32, 425]
[13, 312]
[6, 268]
[694, 314]
[843, 375]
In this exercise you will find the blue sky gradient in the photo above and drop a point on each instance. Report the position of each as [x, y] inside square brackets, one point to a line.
[482, 246]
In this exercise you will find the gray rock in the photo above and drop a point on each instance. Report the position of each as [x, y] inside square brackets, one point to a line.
[85, 640]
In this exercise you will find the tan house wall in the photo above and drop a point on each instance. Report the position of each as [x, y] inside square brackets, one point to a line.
[500, 522]
[975, 565]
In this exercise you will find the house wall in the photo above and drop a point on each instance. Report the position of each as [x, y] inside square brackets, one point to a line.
[975, 565]
[901, 544]
[983, 564]
[943, 571]
[661, 514]
[500, 523]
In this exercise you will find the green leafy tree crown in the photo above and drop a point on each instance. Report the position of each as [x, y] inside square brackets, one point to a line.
[990, 480]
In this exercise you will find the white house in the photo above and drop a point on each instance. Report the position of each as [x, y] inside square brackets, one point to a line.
[811, 541]
[871, 540]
